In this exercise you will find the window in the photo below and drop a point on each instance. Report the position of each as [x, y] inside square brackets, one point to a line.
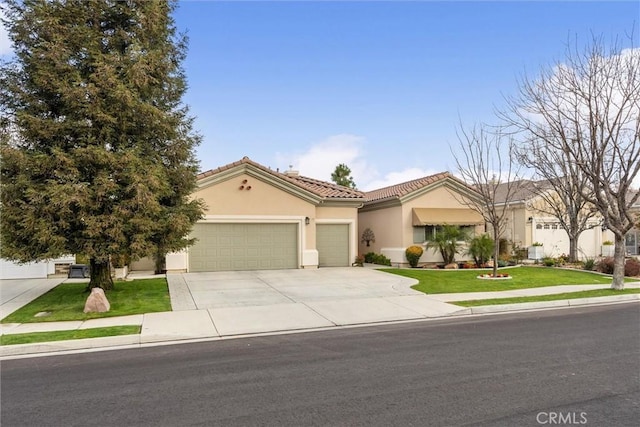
[422, 234]
[538, 226]
[632, 242]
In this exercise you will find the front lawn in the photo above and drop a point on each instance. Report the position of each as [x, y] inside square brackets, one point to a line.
[66, 302]
[454, 281]
[554, 297]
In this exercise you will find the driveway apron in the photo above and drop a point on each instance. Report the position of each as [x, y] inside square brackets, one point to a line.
[248, 302]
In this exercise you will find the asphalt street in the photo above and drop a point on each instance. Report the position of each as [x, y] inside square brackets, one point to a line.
[579, 366]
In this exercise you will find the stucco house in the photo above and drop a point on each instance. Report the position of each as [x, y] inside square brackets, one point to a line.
[409, 214]
[527, 223]
[35, 270]
[259, 218]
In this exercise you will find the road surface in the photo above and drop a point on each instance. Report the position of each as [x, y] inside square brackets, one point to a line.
[561, 367]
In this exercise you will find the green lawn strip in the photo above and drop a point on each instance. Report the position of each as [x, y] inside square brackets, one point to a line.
[454, 281]
[36, 337]
[554, 297]
[66, 302]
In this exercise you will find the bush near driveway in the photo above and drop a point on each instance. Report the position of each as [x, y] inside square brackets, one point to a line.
[452, 281]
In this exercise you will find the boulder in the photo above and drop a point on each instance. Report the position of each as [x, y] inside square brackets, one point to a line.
[97, 302]
[451, 266]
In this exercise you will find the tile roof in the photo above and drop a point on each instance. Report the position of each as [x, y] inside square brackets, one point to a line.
[321, 188]
[404, 188]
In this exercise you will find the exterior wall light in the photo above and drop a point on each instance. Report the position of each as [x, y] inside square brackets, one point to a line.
[307, 220]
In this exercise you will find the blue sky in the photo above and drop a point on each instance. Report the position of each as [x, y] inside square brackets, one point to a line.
[380, 86]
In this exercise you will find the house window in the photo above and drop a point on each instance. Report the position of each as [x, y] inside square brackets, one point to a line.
[546, 226]
[538, 226]
[632, 242]
[554, 226]
[422, 234]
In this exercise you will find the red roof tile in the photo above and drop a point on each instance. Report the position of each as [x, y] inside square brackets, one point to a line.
[315, 186]
[404, 188]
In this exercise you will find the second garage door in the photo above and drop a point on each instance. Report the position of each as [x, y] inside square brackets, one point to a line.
[332, 242]
[226, 246]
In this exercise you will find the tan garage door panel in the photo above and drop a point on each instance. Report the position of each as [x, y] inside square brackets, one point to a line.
[332, 242]
[223, 247]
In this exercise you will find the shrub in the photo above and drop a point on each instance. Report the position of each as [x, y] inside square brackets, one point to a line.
[503, 246]
[548, 262]
[502, 263]
[447, 241]
[632, 268]
[413, 254]
[605, 265]
[359, 260]
[368, 257]
[481, 249]
[381, 260]
[589, 264]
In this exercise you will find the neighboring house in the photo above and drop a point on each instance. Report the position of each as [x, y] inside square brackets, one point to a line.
[410, 213]
[35, 270]
[257, 218]
[527, 223]
[632, 239]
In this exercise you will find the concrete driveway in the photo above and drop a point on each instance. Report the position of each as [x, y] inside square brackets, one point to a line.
[15, 293]
[277, 300]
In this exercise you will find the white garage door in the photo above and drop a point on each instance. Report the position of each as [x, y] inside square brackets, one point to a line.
[332, 242]
[222, 247]
[10, 270]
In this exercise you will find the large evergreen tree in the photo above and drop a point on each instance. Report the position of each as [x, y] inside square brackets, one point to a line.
[342, 176]
[97, 148]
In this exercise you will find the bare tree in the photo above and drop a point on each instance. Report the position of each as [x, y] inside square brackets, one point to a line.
[559, 186]
[588, 108]
[484, 162]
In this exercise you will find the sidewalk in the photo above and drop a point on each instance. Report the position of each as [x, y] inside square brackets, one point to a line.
[229, 322]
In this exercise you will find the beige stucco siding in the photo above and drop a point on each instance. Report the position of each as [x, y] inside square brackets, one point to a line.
[440, 198]
[386, 224]
[227, 198]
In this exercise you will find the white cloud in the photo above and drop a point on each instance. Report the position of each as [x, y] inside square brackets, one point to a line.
[393, 178]
[5, 44]
[321, 159]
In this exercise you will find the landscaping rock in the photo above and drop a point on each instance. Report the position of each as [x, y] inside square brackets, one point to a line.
[452, 266]
[97, 302]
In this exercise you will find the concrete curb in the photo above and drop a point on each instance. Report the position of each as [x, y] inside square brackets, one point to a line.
[576, 302]
[139, 341]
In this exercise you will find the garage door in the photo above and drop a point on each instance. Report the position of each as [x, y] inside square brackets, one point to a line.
[10, 270]
[332, 242]
[223, 247]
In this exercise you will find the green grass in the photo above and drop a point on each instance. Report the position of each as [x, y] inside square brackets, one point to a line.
[567, 295]
[66, 302]
[36, 337]
[454, 281]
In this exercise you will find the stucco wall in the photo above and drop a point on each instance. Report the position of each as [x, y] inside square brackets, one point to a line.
[440, 198]
[386, 224]
[227, 198]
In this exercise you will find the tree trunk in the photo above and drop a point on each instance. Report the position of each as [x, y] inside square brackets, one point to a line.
[573, 249]
[160, 263]
[496, 251]
[100, 275]
[618, 264]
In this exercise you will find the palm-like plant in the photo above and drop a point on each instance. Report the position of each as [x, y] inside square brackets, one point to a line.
[448, 240]
[481, 249]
